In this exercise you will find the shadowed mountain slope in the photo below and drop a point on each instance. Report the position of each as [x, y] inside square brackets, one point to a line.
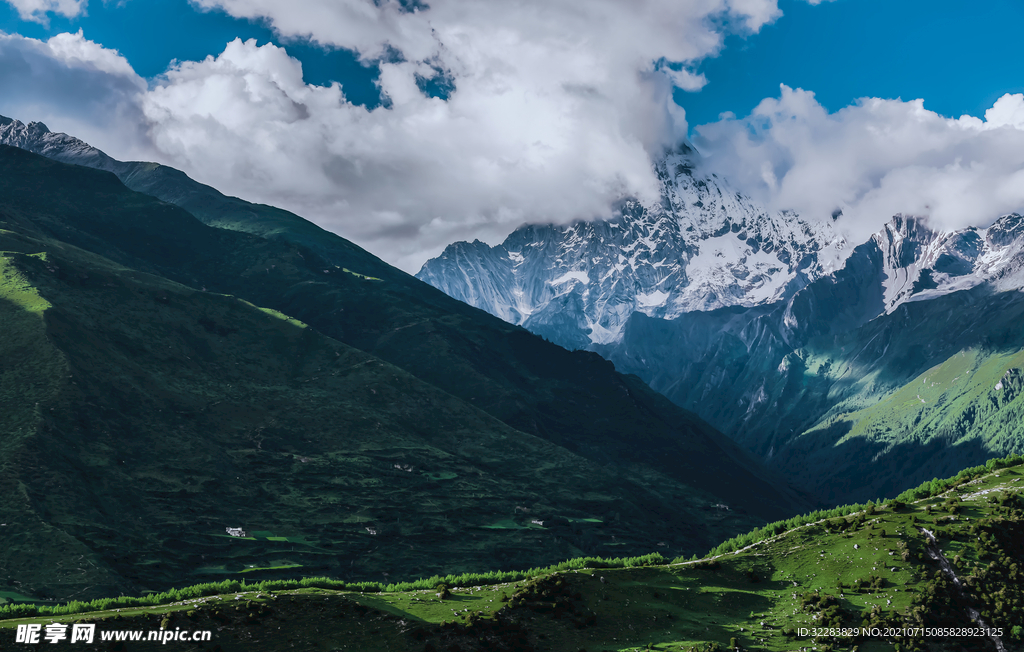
[133, 394]
[575, 400]
[142, 418]
[855, 405]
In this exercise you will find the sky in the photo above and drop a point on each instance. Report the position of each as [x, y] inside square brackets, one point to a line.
[407, 125]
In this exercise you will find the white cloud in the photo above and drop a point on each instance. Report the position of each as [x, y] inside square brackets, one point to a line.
[1007, 111]
[874, 159]
[641, 30]
[557, 108]
[404, 178]
[37, 10]
[76, 51]
[76, 85]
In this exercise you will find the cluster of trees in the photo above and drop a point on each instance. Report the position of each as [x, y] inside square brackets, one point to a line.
[235, 586]
[938, 604]
[997, 587]
[925, 490]
[831, 614]
[828, 608]
[871, 583]
[995, 584]
[553, 595]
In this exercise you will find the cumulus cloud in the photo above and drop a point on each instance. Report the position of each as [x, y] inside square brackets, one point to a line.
[38, 10]
[76, 51]
[874, 159]
[1007, 111]
[556, 110]
[420, 172]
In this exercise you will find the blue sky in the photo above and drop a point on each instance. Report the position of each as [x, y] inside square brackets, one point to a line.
[556, 112]
[960, 61]
[959, 58]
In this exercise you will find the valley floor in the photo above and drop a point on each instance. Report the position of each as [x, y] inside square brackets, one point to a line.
[866, 581]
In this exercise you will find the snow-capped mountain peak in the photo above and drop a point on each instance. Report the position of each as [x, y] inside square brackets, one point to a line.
[702, 246]
[37, 138]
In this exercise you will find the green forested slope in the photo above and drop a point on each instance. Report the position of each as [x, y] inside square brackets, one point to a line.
[142, 418]
[925, 391]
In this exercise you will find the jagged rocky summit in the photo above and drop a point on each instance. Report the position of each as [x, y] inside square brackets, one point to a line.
[921, 263]
[702, 246]
[38, 139]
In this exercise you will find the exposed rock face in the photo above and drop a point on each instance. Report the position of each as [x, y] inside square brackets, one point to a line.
[750, 371]
[704, 246]
[37, 138]
[921, 263]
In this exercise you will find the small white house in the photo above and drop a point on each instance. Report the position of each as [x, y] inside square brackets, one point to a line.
[235, 531]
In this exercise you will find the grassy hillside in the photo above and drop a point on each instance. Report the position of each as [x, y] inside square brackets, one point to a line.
[924, 391]
[878, 567]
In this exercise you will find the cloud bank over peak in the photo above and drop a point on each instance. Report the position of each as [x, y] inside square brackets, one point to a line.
[550, 111]
[413, 175]
[874, 159]
[553, 110]
[556, 108]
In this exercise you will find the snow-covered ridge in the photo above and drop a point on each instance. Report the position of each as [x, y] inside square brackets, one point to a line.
[921, 263]
[702, 246]
[38, 139]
